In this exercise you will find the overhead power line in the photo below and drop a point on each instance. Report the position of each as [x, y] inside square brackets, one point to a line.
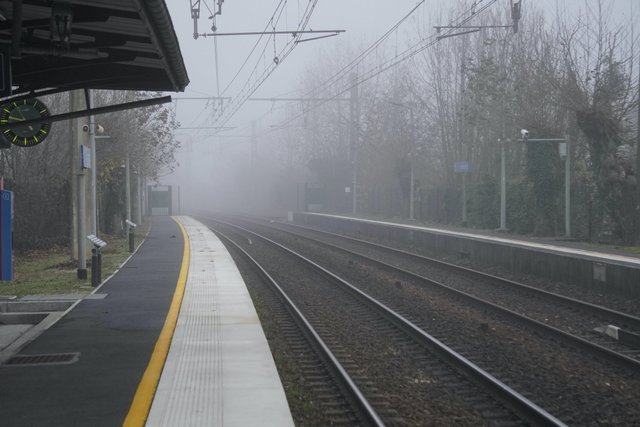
[262, 33]
[249, 87]
[253, 49]
[409, 53]
[357, 60]
[274, 19]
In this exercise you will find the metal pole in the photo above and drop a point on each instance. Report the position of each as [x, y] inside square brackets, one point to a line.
[354, 107]
[252, 174]
[94, 165]
[145, 197]
[411, 201]
[503, 188]
[139, 199]
[355, 183]
[567, 191]
[464, 198]
[411, 189]
[179, 203]
[638, 166]
[75, 99]
[82, 256]
[94, 267]
[99, 268]
[127, 180]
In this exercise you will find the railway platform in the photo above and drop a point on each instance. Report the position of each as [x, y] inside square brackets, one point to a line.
[599, 269]
[172, 339]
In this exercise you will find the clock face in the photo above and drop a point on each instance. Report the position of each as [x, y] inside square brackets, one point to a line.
[20, 111]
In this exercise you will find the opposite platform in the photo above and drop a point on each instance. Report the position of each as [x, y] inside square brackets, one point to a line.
[219, 370]
[583, 265]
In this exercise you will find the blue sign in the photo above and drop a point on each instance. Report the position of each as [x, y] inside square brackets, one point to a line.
[461, 167]
[6, 228]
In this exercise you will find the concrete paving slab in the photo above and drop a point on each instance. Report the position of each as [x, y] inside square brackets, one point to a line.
[219, 370]
[54, 297]
[10, 333]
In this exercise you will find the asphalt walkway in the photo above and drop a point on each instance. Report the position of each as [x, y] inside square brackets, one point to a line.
[172, 339]
[114, 336]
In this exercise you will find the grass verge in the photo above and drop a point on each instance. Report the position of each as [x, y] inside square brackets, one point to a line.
[631, 249]
[53, 272]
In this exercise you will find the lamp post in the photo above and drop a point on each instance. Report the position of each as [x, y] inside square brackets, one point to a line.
[411, 191]
[127, 184]
[92, 149]
[503, 186]
[138, 211]
[411, 155]
[96, 131]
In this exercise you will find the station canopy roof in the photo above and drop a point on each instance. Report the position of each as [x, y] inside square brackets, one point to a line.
[94, 44]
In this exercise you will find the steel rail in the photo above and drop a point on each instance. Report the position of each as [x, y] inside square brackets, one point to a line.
[363, 406]
[524, 407]
[621, 360]
[623, 318]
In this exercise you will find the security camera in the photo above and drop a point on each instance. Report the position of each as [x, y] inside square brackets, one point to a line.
[524, 133]
[85, 128]
[131, 224]
[99, 129]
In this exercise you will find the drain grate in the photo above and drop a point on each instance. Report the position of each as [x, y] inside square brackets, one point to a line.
[43, 359]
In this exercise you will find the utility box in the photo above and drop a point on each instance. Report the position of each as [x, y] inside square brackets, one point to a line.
[160, 200]
[6, 235]
[315, 198]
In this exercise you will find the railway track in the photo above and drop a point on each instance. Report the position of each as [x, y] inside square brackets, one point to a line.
[569, 318]
[339, 401]
[543, 368]
[475, 396]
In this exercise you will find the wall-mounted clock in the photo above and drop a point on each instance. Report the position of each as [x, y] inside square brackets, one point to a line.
[20, 111]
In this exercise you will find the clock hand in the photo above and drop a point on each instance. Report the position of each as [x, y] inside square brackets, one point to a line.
[24, 118]
[21, 114]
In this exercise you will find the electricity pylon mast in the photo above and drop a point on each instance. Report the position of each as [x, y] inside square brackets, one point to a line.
[195, 14]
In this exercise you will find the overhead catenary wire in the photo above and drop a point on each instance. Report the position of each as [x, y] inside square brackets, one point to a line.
[415, 49]
[272, 21]
[252, 85]
[279, 15]
[344, 71]
[357, 60]
[347, 69]
[249, 88]
[275, 17]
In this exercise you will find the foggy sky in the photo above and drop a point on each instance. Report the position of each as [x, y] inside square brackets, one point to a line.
[202, 162]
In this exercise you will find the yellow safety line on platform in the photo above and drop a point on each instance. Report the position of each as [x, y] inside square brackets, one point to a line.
[141, 405]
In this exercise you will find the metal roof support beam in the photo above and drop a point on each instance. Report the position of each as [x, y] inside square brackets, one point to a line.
[262, 33]
[88, 112]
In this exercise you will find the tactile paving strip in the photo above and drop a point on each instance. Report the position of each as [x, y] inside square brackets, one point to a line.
[219, 370]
